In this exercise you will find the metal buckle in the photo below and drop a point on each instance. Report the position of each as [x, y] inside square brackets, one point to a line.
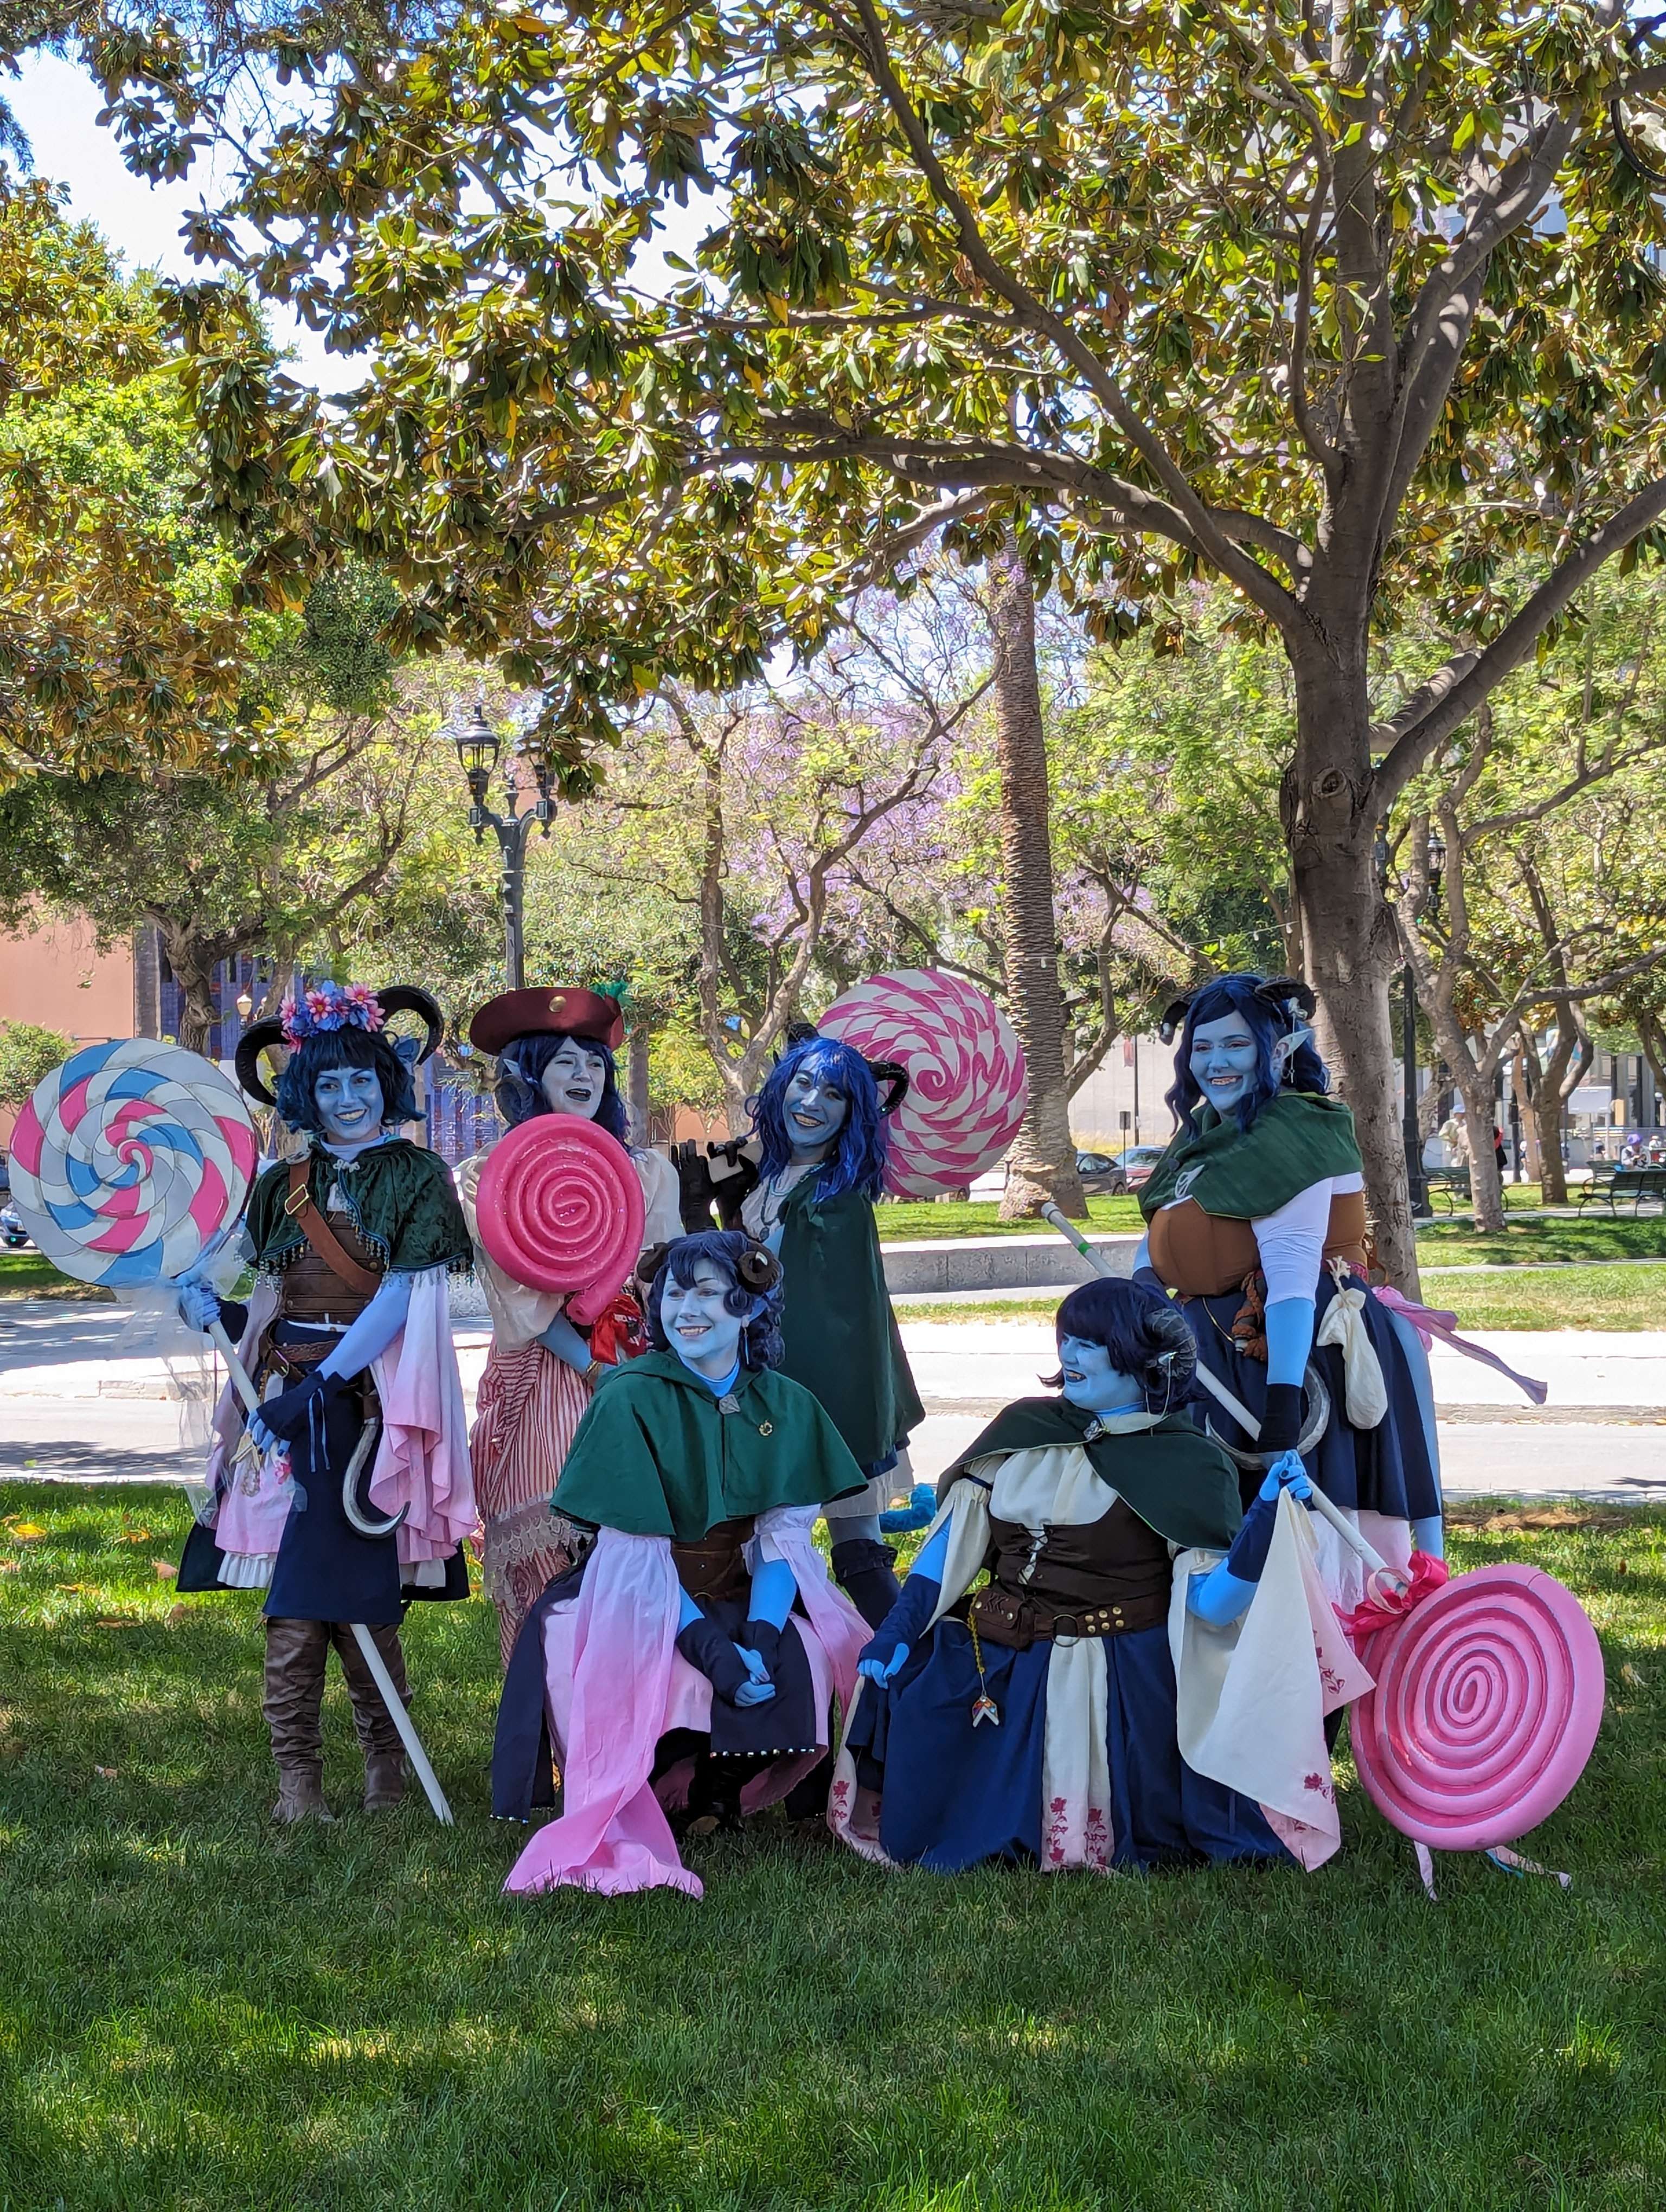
[297, 1200]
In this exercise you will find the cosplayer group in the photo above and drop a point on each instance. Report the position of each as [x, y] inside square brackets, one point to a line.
[1118, 1644]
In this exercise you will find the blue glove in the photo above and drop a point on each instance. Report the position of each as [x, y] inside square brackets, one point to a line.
[199, 1306]
[887, 1650]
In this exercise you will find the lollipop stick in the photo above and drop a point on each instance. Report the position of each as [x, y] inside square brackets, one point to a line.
[403, 1722]
[235, 1367]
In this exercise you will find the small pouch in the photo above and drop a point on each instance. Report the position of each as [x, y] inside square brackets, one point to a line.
[1001, 1618]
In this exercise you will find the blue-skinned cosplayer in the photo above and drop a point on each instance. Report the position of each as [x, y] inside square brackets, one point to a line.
[820, 1123]
[1143, 1677]
[348, 1493]
[688, 1664]
[1256, 1217]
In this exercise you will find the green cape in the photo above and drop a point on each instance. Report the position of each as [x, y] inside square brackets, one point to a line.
[1298, 1138]
[841, 1336]
[399, 1198]
[654, 1457]
[1178, 1480]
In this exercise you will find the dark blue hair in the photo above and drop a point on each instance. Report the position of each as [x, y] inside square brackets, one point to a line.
[347, 1046]
[857, 1159]
[724, 1249]
[1236, 994]
[1145, 1335]
[520, 1086]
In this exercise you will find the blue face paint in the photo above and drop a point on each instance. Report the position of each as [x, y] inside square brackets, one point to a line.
[1091, 1380]
[1223, 1060]
[575, 1079]
[698, 1325]
[348, 1101]
[814, 1110]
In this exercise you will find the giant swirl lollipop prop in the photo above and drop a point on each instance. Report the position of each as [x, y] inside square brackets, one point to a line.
[559, 1207]
[130, 1161]
[1488, 1698]
[967, 1084]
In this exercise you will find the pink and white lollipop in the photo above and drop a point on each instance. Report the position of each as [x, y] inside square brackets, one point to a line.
[129, 1160]
[967, 1084]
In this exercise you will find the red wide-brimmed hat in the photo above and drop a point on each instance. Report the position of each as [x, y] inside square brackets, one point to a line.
[567, 1010]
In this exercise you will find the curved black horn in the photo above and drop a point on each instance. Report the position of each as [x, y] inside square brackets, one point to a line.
[1174, 1017]
[1280, 991]
[258, 1037]
[893, 1074]
[409, 998]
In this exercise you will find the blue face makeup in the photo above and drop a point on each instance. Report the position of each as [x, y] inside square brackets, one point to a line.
[1091, 1380]
[1223, 1060]
[348, 1101]
[814, 1110]
[699, 1326]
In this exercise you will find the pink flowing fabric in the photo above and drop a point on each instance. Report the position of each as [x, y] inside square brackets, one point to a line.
[612, 1836]
[839, 1628]
[1427, 1574]
[423, 1459]
[250, 1521]
[1430, 1322]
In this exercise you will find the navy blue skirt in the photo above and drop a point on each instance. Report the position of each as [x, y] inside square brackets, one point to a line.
[952, 1796]
[325, 1569]
[1387, 1469]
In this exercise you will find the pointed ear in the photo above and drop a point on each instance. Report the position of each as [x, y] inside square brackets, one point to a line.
[409, 1050]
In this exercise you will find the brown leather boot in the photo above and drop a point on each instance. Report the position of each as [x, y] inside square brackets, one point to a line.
[378, 1739]
[296, 1651]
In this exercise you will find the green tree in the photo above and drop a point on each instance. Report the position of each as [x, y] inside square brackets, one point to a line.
[1357, 309]
[27, 1053]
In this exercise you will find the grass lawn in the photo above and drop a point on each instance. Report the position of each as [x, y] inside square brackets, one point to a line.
[199, 2014]
[902, 1219]
[1458, 1244]
[27, 1275]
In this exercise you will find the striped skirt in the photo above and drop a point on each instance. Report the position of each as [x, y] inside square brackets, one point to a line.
[529, 1406]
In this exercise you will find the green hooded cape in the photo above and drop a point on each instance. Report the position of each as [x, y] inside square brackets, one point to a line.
[841, 1336]
[1178, 1480]
[1298, 1138]
[654, 1456]
[400, 1199]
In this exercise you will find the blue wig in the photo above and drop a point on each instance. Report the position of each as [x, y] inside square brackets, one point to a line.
[1236, 994]
[520, 1086]
[1145, 1336]
[857, 1161]
[347, 1046]
[725, 1249]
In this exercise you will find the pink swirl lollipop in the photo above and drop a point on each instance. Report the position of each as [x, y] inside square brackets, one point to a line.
[1488, 1702]
[967, 1086]
[129, 1160]
[559, 1207]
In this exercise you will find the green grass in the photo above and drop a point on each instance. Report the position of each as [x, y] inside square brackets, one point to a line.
[1606, 1297]
[27, 1275]
[902, 1219]
[200, 2015]
[1458, 1244]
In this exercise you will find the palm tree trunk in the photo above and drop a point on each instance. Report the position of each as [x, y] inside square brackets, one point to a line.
[1041, 1165]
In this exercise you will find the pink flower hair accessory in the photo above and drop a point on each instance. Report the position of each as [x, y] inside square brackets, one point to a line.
[327, 1006]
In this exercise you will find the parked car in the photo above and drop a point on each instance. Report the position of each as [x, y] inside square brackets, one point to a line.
[1114, 1175]
[13, 1234]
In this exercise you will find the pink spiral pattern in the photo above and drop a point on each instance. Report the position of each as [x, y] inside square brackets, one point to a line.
[559, 1207]
[967, 1083]
[1488, 1702]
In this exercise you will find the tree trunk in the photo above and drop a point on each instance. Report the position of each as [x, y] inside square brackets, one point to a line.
[198, 1012]
[1041, 1165]
[1548, 1118]
[638, 1043]
[1349, 938]
[1485, 1181]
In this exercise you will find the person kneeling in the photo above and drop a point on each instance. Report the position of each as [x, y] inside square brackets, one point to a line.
[688, 1663]
[1144, 1678]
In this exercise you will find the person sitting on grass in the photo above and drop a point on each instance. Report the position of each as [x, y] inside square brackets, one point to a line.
[688, 1663]
[1144, 1678]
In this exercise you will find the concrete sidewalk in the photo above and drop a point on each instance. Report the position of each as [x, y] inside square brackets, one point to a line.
[74, 1405]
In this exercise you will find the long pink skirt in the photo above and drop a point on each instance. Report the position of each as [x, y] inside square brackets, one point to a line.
[529, 1406]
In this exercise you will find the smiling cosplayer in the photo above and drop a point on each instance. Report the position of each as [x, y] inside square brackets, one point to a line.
[554, 1055]
[350, 1493]
[1255, 1215]
[1144, 1678]
[688, 1664]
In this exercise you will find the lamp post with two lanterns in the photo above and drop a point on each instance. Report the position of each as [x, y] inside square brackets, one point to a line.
[477, 749]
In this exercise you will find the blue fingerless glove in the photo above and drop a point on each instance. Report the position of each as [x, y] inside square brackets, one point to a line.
[704, 1645]
[1248, 1556]
[287, 1414]
[888, 1647]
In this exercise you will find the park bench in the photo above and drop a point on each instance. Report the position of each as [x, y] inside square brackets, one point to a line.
[1449, 1184]
[1634, 1183]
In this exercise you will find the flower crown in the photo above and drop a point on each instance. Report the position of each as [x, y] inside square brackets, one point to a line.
[328, 1007]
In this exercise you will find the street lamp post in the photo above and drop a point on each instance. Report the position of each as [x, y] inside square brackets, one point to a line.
[478, 748]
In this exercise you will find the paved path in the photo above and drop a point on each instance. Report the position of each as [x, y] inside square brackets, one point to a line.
[77, 1404]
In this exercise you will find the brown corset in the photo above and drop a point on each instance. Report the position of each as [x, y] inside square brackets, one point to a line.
[714, 1564]
[1204, 1255]
[1115, 1569]
[312, 1291]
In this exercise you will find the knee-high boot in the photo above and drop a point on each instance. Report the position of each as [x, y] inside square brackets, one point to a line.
[378, 1739]
[863, 1567]
[296, 1651]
